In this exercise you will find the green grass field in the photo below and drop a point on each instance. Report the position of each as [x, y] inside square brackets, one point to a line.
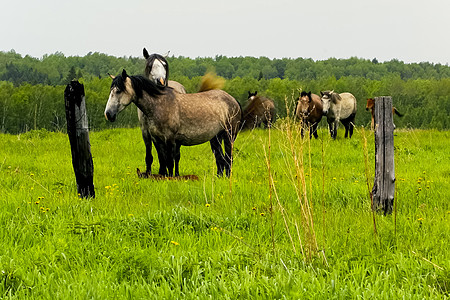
[309, 235]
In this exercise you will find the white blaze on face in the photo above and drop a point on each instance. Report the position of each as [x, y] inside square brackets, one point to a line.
[112, 105]
[158, 71]
[326, 103]
[117, 101]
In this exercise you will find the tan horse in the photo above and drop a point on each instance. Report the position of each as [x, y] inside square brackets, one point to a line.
[309, 110]
[259, 110]
[177, 120]
[371, 106]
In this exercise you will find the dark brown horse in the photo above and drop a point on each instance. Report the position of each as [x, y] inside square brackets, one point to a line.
[179, 119]
[259, 110]
[309, 110]
[371, 106]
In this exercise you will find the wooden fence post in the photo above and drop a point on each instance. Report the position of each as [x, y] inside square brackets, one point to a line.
[78, 131]
[384, 185]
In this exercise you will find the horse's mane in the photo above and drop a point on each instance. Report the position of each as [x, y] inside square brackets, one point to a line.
[335, 97]
[139, 84]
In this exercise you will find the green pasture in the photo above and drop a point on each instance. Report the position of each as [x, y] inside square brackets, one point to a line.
[292, 222]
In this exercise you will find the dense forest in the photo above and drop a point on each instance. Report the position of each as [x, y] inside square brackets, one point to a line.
[32, 89]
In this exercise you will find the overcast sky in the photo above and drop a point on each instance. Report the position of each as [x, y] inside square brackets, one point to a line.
[408, 30]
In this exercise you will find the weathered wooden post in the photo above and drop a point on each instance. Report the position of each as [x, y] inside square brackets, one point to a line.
[384, 186]
[78, 131]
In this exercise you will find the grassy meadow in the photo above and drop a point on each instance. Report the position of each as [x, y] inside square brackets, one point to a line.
[293, 221]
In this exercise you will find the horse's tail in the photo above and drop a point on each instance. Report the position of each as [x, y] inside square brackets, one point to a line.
[397, 112]
[210, 81]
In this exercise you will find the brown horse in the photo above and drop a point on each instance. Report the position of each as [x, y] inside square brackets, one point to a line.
[371, 106]
[179, 119]
[258, 110]
[309, 110]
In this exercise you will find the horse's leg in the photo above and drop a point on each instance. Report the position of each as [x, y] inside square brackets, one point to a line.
[228, 145]
[309, 129]
[346, 123]
[351, 125]
[372, 123]
[148, 151]
[314, 127]
[160, 149]
[177, 156]
[216, 147]
[330, 127]
[335, 128]
[170, 151]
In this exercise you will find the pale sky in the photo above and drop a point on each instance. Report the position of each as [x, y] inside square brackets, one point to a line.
[407, 30]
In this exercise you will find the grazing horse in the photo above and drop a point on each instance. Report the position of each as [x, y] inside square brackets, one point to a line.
[258, 110]
[179, 119]
[157, 70]
[371, 106]
[339, 107]
[309, 110]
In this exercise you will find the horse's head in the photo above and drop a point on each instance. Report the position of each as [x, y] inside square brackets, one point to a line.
[303, 104]
[156, 68]
[251, 95]
[370, 104]
[329, 97]
[120, 96]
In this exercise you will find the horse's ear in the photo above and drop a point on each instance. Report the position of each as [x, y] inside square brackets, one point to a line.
[145, 53]
[167, 54]
[309, 97]
[111, 76]
[321, 93]
[256, 92]
[124, 74]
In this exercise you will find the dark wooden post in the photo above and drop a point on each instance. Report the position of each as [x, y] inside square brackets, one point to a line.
[78, 131]
[384, 186]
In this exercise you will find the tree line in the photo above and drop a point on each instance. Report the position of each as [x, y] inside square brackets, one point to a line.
[31, 89]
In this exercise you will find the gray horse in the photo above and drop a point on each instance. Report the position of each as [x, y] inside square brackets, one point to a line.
[179, 119]
[157, 70]
[339, 107]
